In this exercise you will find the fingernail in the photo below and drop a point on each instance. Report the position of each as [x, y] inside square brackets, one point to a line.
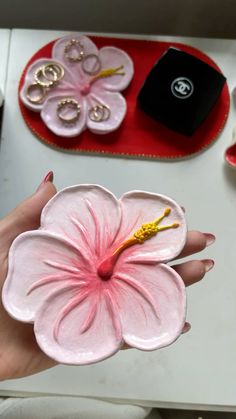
[186, 328]
[210, 238]
[48, 178]
[208, 263]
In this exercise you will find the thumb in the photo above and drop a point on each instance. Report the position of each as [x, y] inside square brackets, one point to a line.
[26, 216]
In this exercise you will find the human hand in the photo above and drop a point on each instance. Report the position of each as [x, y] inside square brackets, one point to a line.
[19, 354]
[194, 270]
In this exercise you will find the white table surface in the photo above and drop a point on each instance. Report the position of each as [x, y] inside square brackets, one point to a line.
[199, 370]
[4, 50]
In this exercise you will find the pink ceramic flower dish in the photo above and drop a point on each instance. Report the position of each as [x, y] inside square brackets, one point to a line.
[79, 87]
[94, 276]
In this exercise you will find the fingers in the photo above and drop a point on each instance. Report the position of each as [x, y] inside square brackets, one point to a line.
[194, 270]
[26, 216]
[196, 242]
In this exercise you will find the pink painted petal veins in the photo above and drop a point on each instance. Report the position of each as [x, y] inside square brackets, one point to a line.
[142, 207]
[87, 214]
[152, 305]
[53, 276]
[74, 343]
[39, 263]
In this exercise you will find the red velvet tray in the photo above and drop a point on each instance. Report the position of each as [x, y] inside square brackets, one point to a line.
[139, 135]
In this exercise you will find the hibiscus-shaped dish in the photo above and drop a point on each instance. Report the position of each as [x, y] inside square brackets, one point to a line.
[94, 276]
[79, 87]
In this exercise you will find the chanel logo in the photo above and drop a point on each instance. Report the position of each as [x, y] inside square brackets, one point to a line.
[182, 88]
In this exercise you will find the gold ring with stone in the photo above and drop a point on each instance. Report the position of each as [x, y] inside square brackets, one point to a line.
[69, 104]
[74, 44]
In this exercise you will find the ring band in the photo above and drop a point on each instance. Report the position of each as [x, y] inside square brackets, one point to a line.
[71, 104]
[96, 65]
[55, 69]
[45, 76]
[99, 113]
[74, 44]
[46, 82]
[41, 95]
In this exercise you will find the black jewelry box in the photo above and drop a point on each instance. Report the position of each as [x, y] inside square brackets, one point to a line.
[180, 91]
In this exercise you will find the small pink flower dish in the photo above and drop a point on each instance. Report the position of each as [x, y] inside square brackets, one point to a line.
[94, 275]
[79, 87]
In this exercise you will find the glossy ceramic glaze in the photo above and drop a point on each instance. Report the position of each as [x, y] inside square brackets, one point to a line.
[94, 276]
[88, 90]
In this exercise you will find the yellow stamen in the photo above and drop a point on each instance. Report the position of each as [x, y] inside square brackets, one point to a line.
[145, 232]
[151, 229]
[109, 72]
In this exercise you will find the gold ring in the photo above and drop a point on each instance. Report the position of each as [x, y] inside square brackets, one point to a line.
[99, 113]
[38, 98]
[95, 63]
[70, 105]
[53, 68]
[74, 44]
[46, 82]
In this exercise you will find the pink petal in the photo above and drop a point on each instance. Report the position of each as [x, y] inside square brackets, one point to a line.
[140, 207]
[115, 105]
[58, 52]
[39, 263]
[88, 214]
[112, 57]
[49, 115]
[84, 332]
[65, 84]
[152, 305]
